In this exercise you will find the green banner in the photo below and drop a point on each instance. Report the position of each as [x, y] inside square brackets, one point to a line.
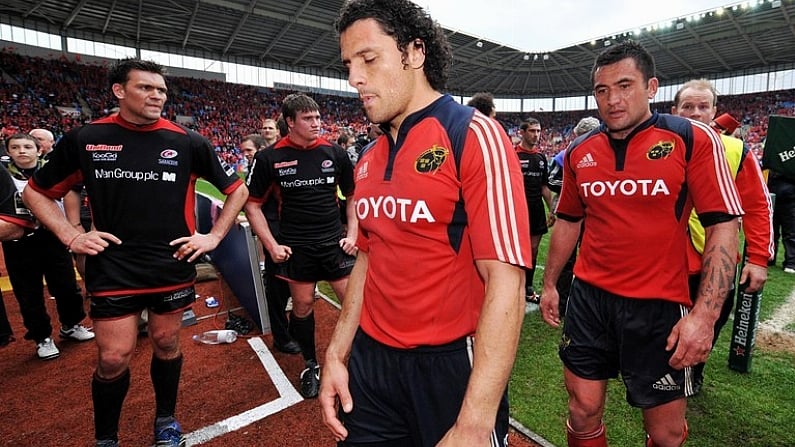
[779, 151]
[746, 319]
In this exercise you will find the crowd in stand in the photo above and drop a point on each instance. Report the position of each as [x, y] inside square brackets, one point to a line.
[751, 110]
[32, 89]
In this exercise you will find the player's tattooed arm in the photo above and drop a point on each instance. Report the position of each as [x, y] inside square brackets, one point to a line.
[717, 276]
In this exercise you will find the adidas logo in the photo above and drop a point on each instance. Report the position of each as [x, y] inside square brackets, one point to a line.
[666, 383]
[586, 162]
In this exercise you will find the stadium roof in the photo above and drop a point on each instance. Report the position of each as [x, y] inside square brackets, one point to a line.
[298, 35]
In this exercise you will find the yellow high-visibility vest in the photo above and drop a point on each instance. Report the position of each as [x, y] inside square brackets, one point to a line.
[734, 154]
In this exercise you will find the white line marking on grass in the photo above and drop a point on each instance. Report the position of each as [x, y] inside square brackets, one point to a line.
[329, 300]
[783, 316]
[535, 437]
[288, 396]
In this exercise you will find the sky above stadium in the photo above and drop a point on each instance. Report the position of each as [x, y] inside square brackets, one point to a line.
[545, 25]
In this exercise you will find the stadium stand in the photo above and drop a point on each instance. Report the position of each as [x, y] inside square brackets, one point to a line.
[72, 93]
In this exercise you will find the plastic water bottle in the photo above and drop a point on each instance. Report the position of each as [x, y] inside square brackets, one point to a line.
[216, 337]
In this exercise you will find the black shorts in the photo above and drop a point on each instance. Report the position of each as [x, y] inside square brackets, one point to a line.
[319, 262]
[604, 334]
[538, 218]
[111, 307]
[409, 397]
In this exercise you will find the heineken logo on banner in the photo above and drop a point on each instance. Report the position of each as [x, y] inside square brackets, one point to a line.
[779, 152]
[786, 155]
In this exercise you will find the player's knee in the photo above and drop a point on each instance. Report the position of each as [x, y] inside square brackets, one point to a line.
[303, 307]
[672, 435]
[112, 363]
[166, 343]
[585, 411]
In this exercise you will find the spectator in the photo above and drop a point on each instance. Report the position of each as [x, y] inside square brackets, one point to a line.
[348, 142]
[14, 223]
[784, 217]
[698, 100]
[563, 285]
[269, 132]
[45, 139]
[41, 255]
[277, 288]
[250, 145]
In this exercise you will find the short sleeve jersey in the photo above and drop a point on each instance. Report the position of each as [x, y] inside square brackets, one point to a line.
[422, 286]
[535, 171]
[636, 195]
[12, 209]
[305, 182]
[140, 182]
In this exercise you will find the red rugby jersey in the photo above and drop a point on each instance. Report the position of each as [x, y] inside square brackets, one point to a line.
[636, 195]
[422, 286]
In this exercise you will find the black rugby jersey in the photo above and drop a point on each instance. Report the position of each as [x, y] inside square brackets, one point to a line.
[11, 207]
[305, 182]
[535, 172]
[140, 182]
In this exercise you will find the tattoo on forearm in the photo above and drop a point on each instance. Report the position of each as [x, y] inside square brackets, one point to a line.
[717, 275]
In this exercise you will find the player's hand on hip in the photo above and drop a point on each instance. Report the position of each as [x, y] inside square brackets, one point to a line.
[335, 386]
[691, 341]
[194, 246]
[92, 243]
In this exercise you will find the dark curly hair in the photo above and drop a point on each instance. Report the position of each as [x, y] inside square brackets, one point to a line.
[120, 71]
[626, 49]
[405, 22]
[484, 102]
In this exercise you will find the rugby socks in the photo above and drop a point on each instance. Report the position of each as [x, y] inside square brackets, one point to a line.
[165, 379]
[528, 282]
[596, 438]
[108, 396]
[303, 331]
[650, 443]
